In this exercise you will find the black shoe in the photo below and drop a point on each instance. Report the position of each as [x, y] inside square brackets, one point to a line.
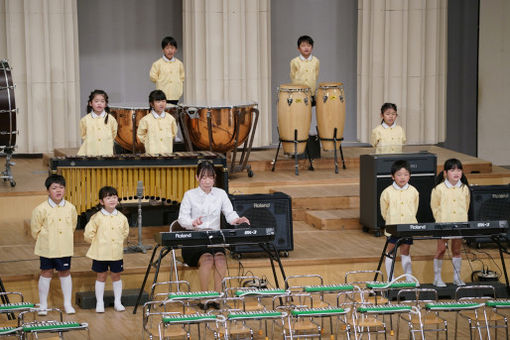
[214, 305]
[202, 306]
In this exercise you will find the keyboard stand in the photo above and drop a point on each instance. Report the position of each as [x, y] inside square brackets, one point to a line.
[393, 255]
[268, 247]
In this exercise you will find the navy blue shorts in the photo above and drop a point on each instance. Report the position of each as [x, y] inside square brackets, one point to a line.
[393, 240]
[102, 266]
[58, 263]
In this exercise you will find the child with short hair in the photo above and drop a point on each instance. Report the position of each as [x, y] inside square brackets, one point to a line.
[168, 71]
[106, 232]
[98, 128]
[388, 137]
[52, 226]
[399, 204]
[304, 70]
[449, 202]
[158, 128]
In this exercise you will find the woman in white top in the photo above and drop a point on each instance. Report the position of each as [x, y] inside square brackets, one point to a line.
[201, 209]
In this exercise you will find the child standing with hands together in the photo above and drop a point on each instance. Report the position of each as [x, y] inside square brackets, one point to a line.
[388, 137]
[157, 129]
[52, 225]
[304, 70]
[98, 128]
[399, 204]
[106, 232]
[449, 202]
[168, 71]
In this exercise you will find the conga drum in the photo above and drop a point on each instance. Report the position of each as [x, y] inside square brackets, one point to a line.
[8, 109]
[294, 113]
[330, 101]
[218, 127]
[128, 117]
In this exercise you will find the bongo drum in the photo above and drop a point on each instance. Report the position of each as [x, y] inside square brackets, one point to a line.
[330, 113]
[218, 127]
[294, 113]
[8, 109]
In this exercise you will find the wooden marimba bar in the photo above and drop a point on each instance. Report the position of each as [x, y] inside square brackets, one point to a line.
[165, 177]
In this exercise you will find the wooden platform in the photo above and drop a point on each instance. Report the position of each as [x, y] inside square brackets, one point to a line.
[327, 236]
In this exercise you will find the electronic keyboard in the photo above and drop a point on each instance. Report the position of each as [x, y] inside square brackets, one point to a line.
[214, 237]
[449, 230]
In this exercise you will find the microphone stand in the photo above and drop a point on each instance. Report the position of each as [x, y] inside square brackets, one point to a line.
[138, 248]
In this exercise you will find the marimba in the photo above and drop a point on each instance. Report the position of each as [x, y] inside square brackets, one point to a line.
[165, 177]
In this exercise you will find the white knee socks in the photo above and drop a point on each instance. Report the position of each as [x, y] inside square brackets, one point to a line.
[438, 266]
[406, 264]
[67, 290]
[387, 263]
[117, 293]
[99, 297]
[44, 288]
[457, 263]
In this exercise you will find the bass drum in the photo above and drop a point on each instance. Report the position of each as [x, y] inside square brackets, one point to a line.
[128, 117]
[8, 109]
[217, 127]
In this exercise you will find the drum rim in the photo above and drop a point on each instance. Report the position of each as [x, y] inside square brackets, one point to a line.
[114, 106]
[11, 105]
[219, 106]
[324, 86]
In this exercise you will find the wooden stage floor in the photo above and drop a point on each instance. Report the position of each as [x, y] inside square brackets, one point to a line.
[327, 236]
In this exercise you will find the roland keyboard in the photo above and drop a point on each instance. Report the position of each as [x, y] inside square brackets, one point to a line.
[214, 237]
[449, 230]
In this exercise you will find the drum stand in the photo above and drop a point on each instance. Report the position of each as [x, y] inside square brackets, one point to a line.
[295, 141]
[245, 154]
[6, 175]
[335, 140]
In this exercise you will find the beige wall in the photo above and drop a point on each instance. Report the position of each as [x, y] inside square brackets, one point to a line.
[494, 82]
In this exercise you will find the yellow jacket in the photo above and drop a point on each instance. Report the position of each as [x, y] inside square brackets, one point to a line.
[169, 77]
[450, 204]
[399, 206]
[305, 72]
[53, 229]
[97, 136]
[388, 140]
[157, 134]
[106, 234]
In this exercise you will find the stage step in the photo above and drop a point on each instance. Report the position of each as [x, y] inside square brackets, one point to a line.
[321, 197]
[339, 219]
[87, 300]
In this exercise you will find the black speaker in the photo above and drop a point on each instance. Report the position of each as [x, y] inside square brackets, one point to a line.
[266, 210]
[375, 176]
[489, 203]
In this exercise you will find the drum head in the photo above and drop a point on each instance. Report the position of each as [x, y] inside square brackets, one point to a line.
[7, 107]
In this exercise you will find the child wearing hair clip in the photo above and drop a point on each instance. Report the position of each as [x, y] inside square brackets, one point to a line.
[106, 232]
[98, 128]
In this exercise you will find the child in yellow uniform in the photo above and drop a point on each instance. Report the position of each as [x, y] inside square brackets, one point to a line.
[98, 128]
[388, 137]
[449, 202]
[106, 232]
[399, 204]
[157, 129]
[304, 70]
[52, 225]
[168, 71]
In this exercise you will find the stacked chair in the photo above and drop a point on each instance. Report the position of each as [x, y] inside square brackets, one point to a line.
[19, 326]
[309, 308]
